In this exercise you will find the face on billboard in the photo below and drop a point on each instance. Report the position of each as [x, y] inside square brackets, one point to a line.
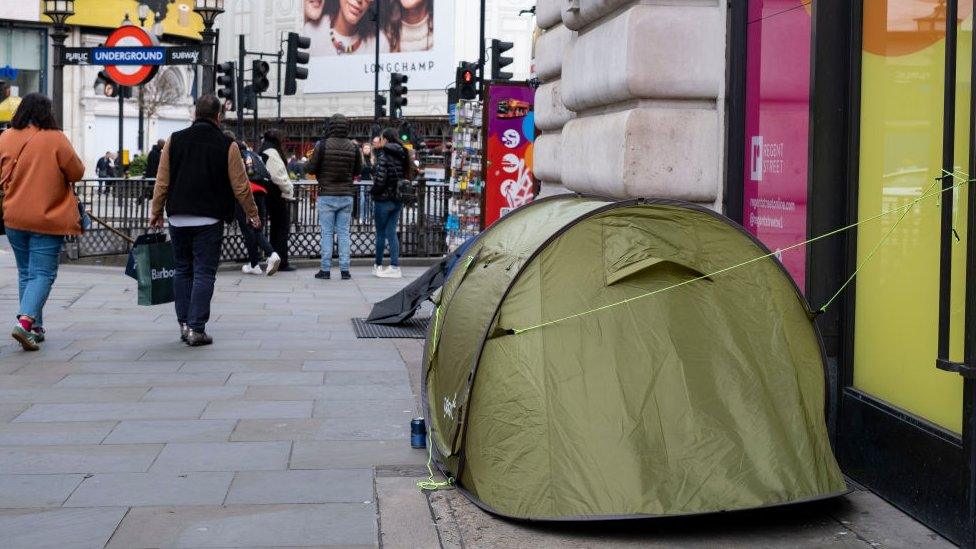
[415, 38]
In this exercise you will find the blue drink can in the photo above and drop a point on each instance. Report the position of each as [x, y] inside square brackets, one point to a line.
[418, 433]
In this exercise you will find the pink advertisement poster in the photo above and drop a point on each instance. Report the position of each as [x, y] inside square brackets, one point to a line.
[777, 127]
[509, 184]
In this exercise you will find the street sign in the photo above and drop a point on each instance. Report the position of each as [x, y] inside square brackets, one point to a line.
[173, 55]
[131, 55]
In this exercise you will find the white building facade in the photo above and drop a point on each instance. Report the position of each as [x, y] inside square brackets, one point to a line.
[264, 22]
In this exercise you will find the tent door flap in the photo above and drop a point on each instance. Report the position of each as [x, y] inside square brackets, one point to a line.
[645, 264]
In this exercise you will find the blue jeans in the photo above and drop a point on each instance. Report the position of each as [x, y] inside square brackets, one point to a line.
[335, 214]
[38, 256]
[386, 215]
[197, 254]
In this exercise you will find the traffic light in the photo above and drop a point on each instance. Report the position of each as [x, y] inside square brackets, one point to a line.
[499, 62]
[406, 132]
[398, 94]
[104, 85]
[249, 98]
[296, 57]
[259, 75]
[466, 80]
[227, 83]
[380, 106]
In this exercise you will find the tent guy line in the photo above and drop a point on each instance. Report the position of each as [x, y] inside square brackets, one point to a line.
[906, 208]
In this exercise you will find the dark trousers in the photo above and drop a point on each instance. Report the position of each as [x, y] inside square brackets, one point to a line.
[254, 239]
[386, 215]
[197, 254]
[279, 216]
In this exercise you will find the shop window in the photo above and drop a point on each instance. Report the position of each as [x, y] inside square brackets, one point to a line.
[23, 49]
[901, 127]
[777, 123]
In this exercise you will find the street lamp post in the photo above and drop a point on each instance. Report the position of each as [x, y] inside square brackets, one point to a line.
[59, 11]
[208, 10]
[143, 13]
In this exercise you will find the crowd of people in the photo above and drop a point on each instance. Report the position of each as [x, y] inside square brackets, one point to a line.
[204, 178]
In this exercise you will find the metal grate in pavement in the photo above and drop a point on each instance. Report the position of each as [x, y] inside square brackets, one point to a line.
[415, 328]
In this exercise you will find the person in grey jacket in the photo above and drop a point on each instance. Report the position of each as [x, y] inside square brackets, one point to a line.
[335, 162]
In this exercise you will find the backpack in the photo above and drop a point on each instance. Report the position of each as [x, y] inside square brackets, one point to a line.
[257, 172]
[406, 191]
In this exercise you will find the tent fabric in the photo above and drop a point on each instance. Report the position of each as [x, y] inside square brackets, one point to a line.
[708, 397]
[401, 306]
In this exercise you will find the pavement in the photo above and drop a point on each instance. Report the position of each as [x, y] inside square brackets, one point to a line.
[287, 432]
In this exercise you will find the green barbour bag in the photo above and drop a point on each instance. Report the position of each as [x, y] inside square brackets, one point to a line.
[155, 267]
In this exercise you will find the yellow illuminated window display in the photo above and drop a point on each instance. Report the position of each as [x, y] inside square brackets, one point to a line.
[896, 321]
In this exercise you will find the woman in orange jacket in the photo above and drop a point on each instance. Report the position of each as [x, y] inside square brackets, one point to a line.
[37, 169]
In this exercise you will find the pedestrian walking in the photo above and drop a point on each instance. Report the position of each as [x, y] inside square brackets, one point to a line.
[281, 194]
[255, 241]
[201, 175]
[336, 161]
[37, 169]
[152, 159]
[103, 166]
[392, 166]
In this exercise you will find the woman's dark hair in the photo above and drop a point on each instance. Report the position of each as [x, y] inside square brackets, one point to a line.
[272, 140]
[35, 109]
[362, 27]
[392, 136]
[393, 18]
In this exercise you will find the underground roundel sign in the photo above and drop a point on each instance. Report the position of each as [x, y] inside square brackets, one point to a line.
[131, 56]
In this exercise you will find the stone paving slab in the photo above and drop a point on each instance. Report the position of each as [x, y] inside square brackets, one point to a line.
[307, 486]
[77, 458]
[29, 381]
[259, 410]
[233, 366]
[133, 380]
[151, 489]
[326, 524]
[394, 378]
[108, 367]
[366, 428]
[59, 433]
[119, 411]
[388, 365]
[331, 392]
[72, 395]
[59, 528]
[276, 378]
[9, 411]
[355, 454]
[194, 393]
[36, 490]
[223, 456]
[405, 409]
[165, 431]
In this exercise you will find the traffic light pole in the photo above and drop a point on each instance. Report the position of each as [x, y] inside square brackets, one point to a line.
[239, 93]
[376, 67]
[481, 54]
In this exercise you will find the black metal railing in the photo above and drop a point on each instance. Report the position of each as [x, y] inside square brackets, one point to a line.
[124, 204]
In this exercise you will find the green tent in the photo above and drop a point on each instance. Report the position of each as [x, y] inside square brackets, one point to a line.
[706, 397]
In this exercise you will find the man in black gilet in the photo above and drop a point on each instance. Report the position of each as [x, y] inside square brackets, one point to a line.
[201, 175]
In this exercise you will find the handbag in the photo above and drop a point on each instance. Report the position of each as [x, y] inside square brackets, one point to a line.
[3, 183]
[155, 268]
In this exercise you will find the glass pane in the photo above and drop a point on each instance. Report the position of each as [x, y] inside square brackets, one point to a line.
[897, 292]
[777, 123]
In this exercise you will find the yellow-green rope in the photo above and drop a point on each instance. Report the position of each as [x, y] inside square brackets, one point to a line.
[905, 208]
[430, 483]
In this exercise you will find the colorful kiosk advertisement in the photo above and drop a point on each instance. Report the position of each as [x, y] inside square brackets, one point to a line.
[777, 128]
[510, 123]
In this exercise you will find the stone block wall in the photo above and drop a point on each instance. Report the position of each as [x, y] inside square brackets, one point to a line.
[633, 98]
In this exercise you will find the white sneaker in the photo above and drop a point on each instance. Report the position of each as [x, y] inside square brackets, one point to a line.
[392, 272]
[378, 270]
[249, 270]
[274, 261]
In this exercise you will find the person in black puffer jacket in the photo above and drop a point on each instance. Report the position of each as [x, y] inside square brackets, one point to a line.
[392, 166]
[336, 162]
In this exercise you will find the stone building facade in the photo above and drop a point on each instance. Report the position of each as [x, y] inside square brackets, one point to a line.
[632, 101]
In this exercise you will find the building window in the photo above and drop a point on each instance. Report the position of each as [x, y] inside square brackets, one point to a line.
[23, 49]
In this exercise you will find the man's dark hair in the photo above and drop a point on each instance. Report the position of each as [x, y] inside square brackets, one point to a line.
[161, 143]
[391, 136]
[35, 109]
[208, 106]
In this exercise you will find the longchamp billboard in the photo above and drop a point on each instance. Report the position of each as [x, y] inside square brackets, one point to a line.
[416, 39]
